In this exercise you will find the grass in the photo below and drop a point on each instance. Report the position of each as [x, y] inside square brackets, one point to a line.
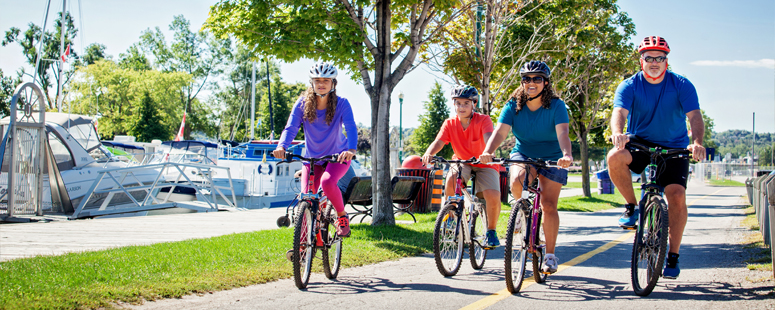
[132, 274]
[725, 183]
[761, 256]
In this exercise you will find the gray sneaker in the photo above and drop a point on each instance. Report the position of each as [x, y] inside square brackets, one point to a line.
[550, 264]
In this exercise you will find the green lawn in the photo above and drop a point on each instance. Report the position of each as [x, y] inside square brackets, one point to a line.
[725, 183]
[174, 269]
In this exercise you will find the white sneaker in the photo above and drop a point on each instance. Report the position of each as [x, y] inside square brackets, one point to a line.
[550, 264]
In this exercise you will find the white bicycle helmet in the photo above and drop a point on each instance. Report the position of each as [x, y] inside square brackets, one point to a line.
[323, 70]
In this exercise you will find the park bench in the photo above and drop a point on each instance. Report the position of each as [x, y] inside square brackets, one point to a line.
[358, 195]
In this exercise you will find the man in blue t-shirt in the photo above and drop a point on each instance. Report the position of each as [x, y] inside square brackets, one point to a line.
[654, 103]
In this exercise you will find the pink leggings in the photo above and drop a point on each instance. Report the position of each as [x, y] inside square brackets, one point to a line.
[327, 179]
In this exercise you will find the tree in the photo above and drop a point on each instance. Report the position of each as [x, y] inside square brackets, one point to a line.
[117, 94]
[366, 38]
[94, 52]
[707, 139]
[430, 123]
[30, 42]
[198, 54]
[466, 57]
[593, 56]
[149, 125]
[7, 87]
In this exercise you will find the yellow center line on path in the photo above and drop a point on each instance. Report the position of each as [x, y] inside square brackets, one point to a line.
[503, 294]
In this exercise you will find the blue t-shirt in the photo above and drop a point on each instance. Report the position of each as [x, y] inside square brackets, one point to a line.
[535, 130]
[657, 112]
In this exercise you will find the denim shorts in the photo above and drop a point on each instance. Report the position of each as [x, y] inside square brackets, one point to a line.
[555, 174]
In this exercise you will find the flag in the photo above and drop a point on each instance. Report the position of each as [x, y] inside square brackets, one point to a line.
[67, 53]
[179, 137]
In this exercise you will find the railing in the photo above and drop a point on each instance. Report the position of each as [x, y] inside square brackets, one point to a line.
[725, 171]
[108, 195]
[761, 195]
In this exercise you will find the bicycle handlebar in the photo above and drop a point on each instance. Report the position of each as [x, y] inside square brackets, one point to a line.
[472, 160]
[328, 158]
[536, 162]
[659, 150]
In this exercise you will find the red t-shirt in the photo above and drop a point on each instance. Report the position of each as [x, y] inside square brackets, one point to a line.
[469, 142]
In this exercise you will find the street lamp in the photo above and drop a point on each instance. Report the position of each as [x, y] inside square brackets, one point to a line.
[400, 126]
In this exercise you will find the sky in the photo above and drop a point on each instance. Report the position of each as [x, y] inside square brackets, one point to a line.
[725, 48]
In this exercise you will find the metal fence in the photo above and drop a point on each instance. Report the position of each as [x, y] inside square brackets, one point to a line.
[761, 195]
[725, 171]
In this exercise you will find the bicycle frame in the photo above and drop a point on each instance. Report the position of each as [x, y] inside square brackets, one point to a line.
[462, 196]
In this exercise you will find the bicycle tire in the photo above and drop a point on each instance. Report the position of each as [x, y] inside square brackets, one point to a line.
[515, 254]
[538, 256]
[476, 251]
[332, 249]
[448, 240]
[303, 245]
[650, 246]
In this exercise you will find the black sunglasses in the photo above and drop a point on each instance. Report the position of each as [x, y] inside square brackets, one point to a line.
[659, 59]
[535, 79]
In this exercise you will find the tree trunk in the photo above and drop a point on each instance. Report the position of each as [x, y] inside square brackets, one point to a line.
[584, 151]
[382, 191]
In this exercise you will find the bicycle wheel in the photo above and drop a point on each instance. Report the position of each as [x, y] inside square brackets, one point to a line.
[478, 227]
[332, 251]
[303, 245]
[648, 250]
[515, 254]
[538, 256]
[448, 240]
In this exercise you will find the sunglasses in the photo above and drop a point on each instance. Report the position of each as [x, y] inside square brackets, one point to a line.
[535, 79]
[658, 59]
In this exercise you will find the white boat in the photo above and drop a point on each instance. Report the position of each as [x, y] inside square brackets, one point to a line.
[79, 157]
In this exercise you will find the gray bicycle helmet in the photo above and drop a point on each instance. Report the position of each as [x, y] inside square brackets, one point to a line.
[323, 70]
[536, 67]
[465, 91]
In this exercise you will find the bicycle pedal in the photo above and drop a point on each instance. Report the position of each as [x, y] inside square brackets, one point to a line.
[629, 228]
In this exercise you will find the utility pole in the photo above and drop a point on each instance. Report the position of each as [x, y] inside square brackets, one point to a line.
[271, 115]
[400, 127]
[753, 144]
[253, 102]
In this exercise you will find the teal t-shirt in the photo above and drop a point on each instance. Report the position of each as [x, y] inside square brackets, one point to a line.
[535, 130]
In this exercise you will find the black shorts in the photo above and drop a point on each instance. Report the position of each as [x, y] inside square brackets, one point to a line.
[670, 171]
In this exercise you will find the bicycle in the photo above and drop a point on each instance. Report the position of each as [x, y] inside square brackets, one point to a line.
[314, 228]
[651, 232]
[449, 236]
[525, 213]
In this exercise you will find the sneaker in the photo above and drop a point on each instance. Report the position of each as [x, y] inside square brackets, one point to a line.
[671, 268]
[629, 218]
[550, 264]
[492, 239]
[450, 223]
[343, 226]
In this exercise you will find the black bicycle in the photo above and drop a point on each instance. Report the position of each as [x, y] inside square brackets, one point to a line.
[314, 228]
[651, 232]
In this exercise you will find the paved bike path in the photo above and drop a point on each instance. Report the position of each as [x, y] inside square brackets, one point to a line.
[713, 275]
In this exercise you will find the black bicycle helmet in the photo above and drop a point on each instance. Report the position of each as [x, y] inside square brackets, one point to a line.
[465, 91]
[536, 67]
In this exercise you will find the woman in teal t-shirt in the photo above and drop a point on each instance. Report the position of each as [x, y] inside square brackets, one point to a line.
[539, 121]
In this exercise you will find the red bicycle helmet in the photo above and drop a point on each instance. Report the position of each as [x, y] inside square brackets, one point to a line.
[653, 43]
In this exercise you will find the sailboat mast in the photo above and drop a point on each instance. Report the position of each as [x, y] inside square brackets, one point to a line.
[63, 24]
[253, 103]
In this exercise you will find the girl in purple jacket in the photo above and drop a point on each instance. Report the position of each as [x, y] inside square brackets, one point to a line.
[324, 114]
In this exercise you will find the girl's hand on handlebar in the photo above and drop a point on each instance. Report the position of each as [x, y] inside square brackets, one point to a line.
[346, 156]
[279, 153]
[565, 161]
